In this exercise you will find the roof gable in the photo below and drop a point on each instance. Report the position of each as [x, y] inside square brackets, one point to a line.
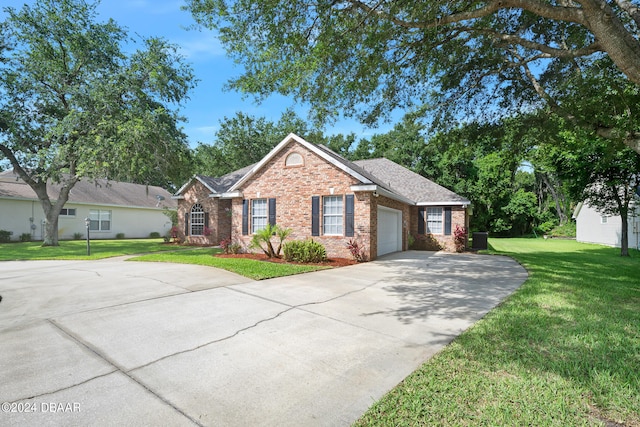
[319, 150]
[216, 185]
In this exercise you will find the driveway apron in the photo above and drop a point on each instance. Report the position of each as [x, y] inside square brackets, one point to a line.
[128, 343]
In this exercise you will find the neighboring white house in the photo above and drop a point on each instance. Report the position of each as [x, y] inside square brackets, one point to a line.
[112, 207]
[595, 227]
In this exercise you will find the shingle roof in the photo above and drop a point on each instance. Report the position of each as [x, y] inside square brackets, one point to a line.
[387, 175]
[222, 184]
[407, 183]
[100, 192]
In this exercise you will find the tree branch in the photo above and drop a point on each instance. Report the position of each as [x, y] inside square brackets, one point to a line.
[541, 8]
[549, 51]
[631, 9]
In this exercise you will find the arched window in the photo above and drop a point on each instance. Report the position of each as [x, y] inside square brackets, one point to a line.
[197, 220]
[294, 159]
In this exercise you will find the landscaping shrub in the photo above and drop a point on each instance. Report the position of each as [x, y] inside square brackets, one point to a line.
[264, 237]
[5, 236]
[460, 238]
[304, 251]
[154, 235]
[546, 227]
[174, 235]
[566, 230]
[120, 236]
[77, 236]
[358, 253]
[229, 247]
[25, 237]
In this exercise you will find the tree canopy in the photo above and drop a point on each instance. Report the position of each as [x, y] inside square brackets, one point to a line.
[243, 139]
[75, 105]
[367, 58]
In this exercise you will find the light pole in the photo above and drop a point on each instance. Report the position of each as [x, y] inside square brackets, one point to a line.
[87, 222]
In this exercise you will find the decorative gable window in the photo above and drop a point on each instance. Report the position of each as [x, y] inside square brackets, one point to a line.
[434, 220]
[197, 220]
[294, 159]
[332, 211]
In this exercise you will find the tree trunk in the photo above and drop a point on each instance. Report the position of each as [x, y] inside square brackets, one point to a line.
[51, 229]
[562, 215]
[624, 236]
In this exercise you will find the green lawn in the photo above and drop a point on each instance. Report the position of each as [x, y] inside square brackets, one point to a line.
[564, 350]
[257, 270]
[77, 249]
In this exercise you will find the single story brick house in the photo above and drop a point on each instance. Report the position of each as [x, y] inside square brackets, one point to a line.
[320, 195]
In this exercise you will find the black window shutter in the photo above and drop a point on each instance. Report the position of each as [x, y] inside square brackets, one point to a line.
[272, 212]
[349, 210]
[447, 221]
[315, 215]
[206, 219]
[245, 217]
[186, 224]
[420, 220]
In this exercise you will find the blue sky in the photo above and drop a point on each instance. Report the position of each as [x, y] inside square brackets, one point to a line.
[208, 103]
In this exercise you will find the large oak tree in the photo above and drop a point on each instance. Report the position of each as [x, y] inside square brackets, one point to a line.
[75, 104]
[368, 57]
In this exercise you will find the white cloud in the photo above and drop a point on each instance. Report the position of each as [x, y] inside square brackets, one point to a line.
[206, 45]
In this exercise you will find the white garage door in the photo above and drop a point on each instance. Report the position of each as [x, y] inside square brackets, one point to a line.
[389, 230]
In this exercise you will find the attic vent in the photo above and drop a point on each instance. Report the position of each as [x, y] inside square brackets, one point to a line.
[294, 159]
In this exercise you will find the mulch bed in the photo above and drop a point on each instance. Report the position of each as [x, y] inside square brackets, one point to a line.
[332, 262]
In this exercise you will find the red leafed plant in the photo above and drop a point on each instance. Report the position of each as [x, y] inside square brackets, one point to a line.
[358, 253]
[460, 238]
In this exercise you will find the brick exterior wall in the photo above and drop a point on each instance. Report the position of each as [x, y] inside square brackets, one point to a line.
[219, 215]
[439, 241]
[293, 188]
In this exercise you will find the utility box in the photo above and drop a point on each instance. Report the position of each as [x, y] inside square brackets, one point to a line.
[480, 240]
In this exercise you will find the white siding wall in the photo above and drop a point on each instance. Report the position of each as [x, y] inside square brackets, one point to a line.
[133, 222]
[590, 229]
[15, 215]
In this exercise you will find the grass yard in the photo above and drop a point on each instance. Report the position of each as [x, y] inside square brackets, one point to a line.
[253, 269]
[564, 350]
[77, 249]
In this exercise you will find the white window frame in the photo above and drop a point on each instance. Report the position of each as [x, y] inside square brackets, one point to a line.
[196, 226]
[333, 215]
[604, 219]
[66, 212]
[259, 215]
[100, 220]
[435, 220]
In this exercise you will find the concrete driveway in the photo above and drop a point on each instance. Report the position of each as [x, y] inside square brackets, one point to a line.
[127, 343]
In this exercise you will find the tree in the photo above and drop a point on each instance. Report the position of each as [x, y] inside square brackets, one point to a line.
[605, 177]
[243, 140]
[74, 106]
[403, 144]
[367, 58]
